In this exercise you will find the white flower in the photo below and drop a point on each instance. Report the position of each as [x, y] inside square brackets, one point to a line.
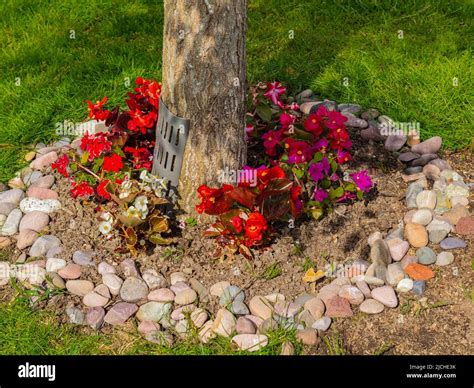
[106, 216]
[132, 211]
[141, 203]
[105, 227]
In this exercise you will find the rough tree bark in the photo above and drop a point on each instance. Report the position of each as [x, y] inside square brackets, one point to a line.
[204, 71]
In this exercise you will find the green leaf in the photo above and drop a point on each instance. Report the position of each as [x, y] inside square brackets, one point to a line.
[360, 194]
[158, 240]
[333, 167]
[351, 187]
[317, 213]
[336, 193]
[325, 183]
[84, 157]
[318, 156]
[299, 173]
[264, 112]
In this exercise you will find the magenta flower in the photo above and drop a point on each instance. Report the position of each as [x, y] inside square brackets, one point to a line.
[318, 171]
[320, 195]
[320, 145]
[274, 91]
[286, 120]
[298, 151]
[362, 181]
[271, 140]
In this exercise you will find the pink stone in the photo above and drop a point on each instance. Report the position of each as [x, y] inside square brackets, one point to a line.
[44, 160]
[34, 220]
[407, 260]
[120, 312]
[146, 327]
[41, 193]
[337, 307]
[352, 294]
[26, 238]
[385, 295]
[164, 295]
[70, 272]
[45, 182]
[465, 226]
[95, 317]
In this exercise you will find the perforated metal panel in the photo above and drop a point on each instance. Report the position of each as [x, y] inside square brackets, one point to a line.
[171, 135]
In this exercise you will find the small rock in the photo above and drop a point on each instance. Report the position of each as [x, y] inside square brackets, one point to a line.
[79, 287]
[412, 192]
[113, 282]
[54, 265]
[43, 244]
[250, 342]
[120, 312]
[245, 326]
[456, 200]
[406, 157]
[423, 159]
[11, 224]
[182, 312]
[371, 306]
[307, 336]
[187, 296]
[44, 182]
[179, 286]
[385, 295]
[379, 253]
[426, 200]
[83, 258]
[444, 258]
[53, 280]
[129, 268]
[40, 193]
[230, 294]
[44, 160]
[199, 317]
[454, 190]
[224, 323]
[426, 256]
[419, 287]
[354, 122]
[337, 307]
[370, 114]
[352, 294]
[452, 243]
[160, 338]
[416, 235]
[438, 230]
[260, 307]
[395, 273]
[164, 295]
[405, 285]
[153, 311]
[455, 214]
[176, 277]
[395, 142]
[70, 272]
[35, 220]
[422, 217]
[407, 260]
[218, 288]
[441, 164]
[398, 248]
[239, 308]
[419, 272]
[6, 208]
[13, 196]
[430, 146]
[374, 237]
[431, 171]
[47, 206]
[206, 333]
[104, 268]
[75, 315]
[146, 327]
[95, 317]
[465, 226]
[133, 289]
[322, 324]
[26, 238]
[351, 108]
[93, 299]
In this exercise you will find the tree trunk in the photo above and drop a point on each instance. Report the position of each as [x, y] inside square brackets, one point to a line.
[204, 71]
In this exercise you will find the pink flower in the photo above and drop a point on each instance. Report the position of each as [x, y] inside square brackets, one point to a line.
[320, 195]
[320, 145]
[274, 91]
[318, 171]
[335, 120]
[362, 181]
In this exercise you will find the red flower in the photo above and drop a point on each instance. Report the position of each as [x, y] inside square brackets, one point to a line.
[343, 157]
[213, 201]
[298, 151]
[255, 226]
[97, 111]
[141, 121]
[335, 120]
[61, 165]
[113, 163]
[296, 203]
[274, 90]
[311, 124]
[286, 120]
[96, 144]
[271, 140]
[237, 223]
[142, 157]
[82, 190]
[264, 176]
[101, 189]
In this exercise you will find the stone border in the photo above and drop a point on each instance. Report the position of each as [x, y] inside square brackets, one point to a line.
[167, 308]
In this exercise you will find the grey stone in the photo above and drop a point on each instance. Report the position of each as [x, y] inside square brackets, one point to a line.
[426, 256]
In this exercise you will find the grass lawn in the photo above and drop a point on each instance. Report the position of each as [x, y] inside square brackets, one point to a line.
[24, 331]
[55, 54]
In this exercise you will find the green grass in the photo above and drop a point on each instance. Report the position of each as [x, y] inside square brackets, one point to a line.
[409, 79]
[25, 331]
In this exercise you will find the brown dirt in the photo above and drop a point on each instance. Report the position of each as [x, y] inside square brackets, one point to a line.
[423, 328]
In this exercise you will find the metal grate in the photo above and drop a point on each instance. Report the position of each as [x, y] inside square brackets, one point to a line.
[171, 135]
